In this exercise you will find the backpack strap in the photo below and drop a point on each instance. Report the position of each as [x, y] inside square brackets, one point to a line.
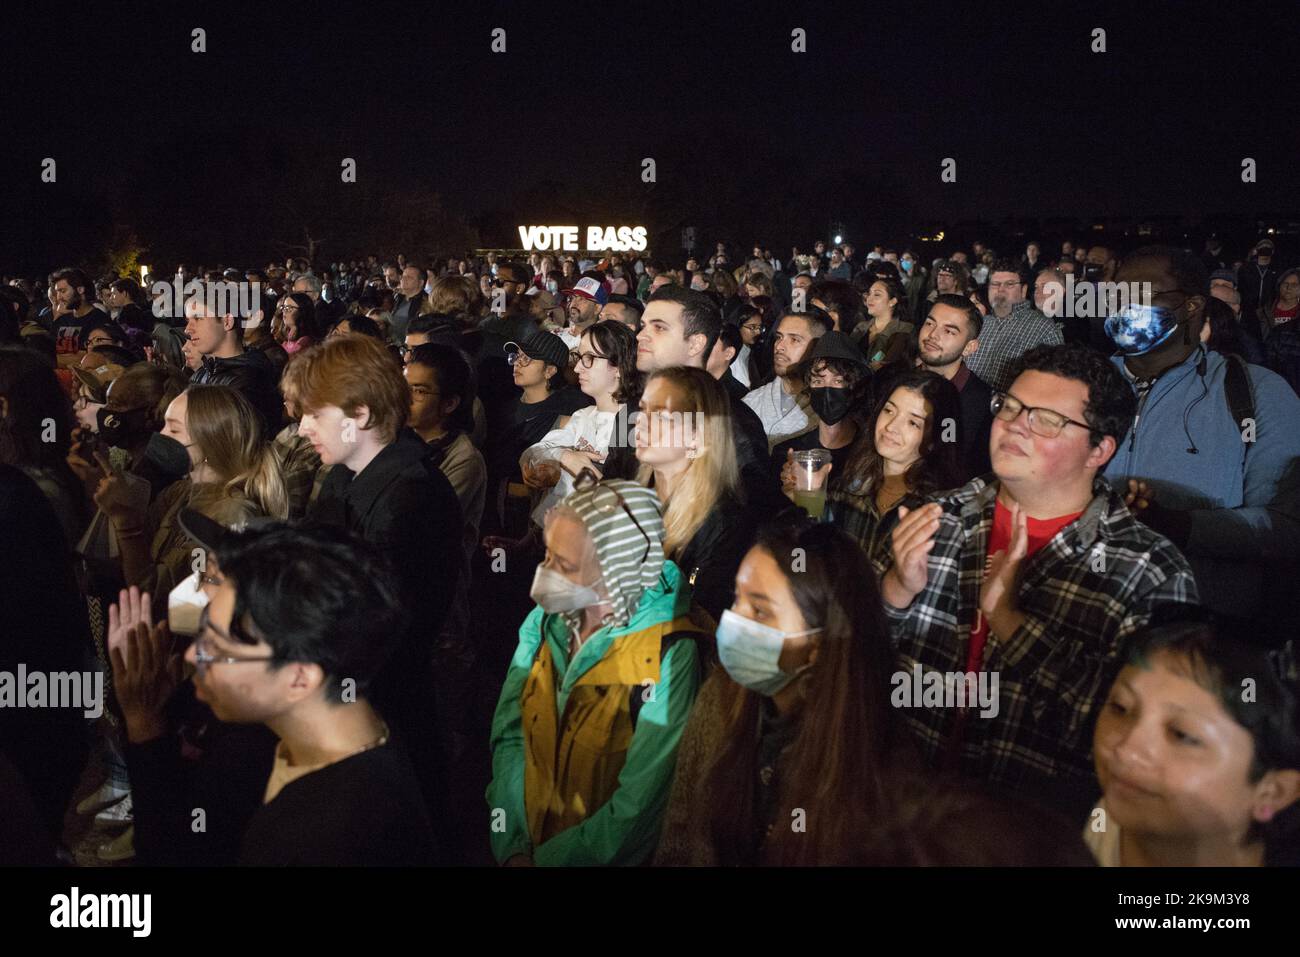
[1236, 390]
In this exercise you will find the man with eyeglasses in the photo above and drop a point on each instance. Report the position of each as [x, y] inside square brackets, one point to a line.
[1214, 453]
[1012, 327]
[1037, 575]
[297, 625]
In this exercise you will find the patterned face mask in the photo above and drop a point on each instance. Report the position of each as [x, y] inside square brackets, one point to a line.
[1137, 329]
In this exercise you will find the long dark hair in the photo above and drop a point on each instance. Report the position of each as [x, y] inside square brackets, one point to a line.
[936, 469]
[305, 323]
[834, 770]
[618, 343]
[37, 407]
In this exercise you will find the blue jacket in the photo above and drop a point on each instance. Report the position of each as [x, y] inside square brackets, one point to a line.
[1242, 497]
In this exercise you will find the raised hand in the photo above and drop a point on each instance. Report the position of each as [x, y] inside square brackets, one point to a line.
[911, 543]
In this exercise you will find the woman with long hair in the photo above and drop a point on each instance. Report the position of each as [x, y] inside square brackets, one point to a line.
[298, 323]
[884, 338]
[899, 460]
[686, 446]
[787, 754]
[234, 476]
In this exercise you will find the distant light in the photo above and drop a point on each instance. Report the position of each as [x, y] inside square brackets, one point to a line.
[144, 273]
[839, 239]
[1271, 231]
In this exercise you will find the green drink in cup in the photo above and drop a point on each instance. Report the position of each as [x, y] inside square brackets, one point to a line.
[810, 480]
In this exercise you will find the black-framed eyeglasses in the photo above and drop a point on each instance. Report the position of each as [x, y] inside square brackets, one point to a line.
[605, 499]
[497, 283]
[1044, 422]
[203, 656]
[588, 359]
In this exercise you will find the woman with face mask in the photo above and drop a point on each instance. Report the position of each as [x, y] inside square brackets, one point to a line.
[786, 755]
[586, 728]
[898, 460]
[839, 386]
[1193, 771]
[234, 475]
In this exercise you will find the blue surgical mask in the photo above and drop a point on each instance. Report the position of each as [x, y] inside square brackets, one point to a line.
[1137, 329]
[750, 652]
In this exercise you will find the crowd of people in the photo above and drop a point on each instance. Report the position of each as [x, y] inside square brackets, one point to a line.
[354, 545]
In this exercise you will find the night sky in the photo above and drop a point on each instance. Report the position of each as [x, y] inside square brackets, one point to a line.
[227, 155]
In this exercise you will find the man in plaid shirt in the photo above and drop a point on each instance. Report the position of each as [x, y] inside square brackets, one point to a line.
[1012, 327]
[1037, 577]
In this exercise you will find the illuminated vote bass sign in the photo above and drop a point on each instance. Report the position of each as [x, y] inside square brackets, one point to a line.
[619, 239]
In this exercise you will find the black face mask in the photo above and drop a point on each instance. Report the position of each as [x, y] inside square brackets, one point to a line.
[831, 404]
[121, 428]
[1092, 271]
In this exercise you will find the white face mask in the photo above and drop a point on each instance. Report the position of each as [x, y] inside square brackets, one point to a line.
[555, 593]
[185, 603]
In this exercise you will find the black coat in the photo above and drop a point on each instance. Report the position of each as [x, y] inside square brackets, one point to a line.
[976, 425]
[252, 374]
[403, 504]
[711, 558]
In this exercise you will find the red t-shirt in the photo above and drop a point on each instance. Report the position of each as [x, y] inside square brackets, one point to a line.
[1041, 531]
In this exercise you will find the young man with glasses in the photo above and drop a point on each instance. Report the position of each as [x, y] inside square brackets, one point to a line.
[1012, 327]
[1214, 453]
[299, 624]
[1037, 576]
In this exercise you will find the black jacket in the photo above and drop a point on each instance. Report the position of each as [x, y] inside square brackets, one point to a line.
[710, 559]
[1257, 285]
[976, 425]
[762, 491]
[403, 504]
[252, 374]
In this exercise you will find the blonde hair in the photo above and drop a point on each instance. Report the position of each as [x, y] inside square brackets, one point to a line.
[228, 433]
[712, 474]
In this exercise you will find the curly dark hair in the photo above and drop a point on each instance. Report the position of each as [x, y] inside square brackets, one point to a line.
[1111, 405]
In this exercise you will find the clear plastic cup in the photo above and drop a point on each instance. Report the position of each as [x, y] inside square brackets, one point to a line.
[809, 481]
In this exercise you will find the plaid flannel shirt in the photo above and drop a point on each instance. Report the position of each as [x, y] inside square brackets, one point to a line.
[1082, 594]
[1003, 341]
